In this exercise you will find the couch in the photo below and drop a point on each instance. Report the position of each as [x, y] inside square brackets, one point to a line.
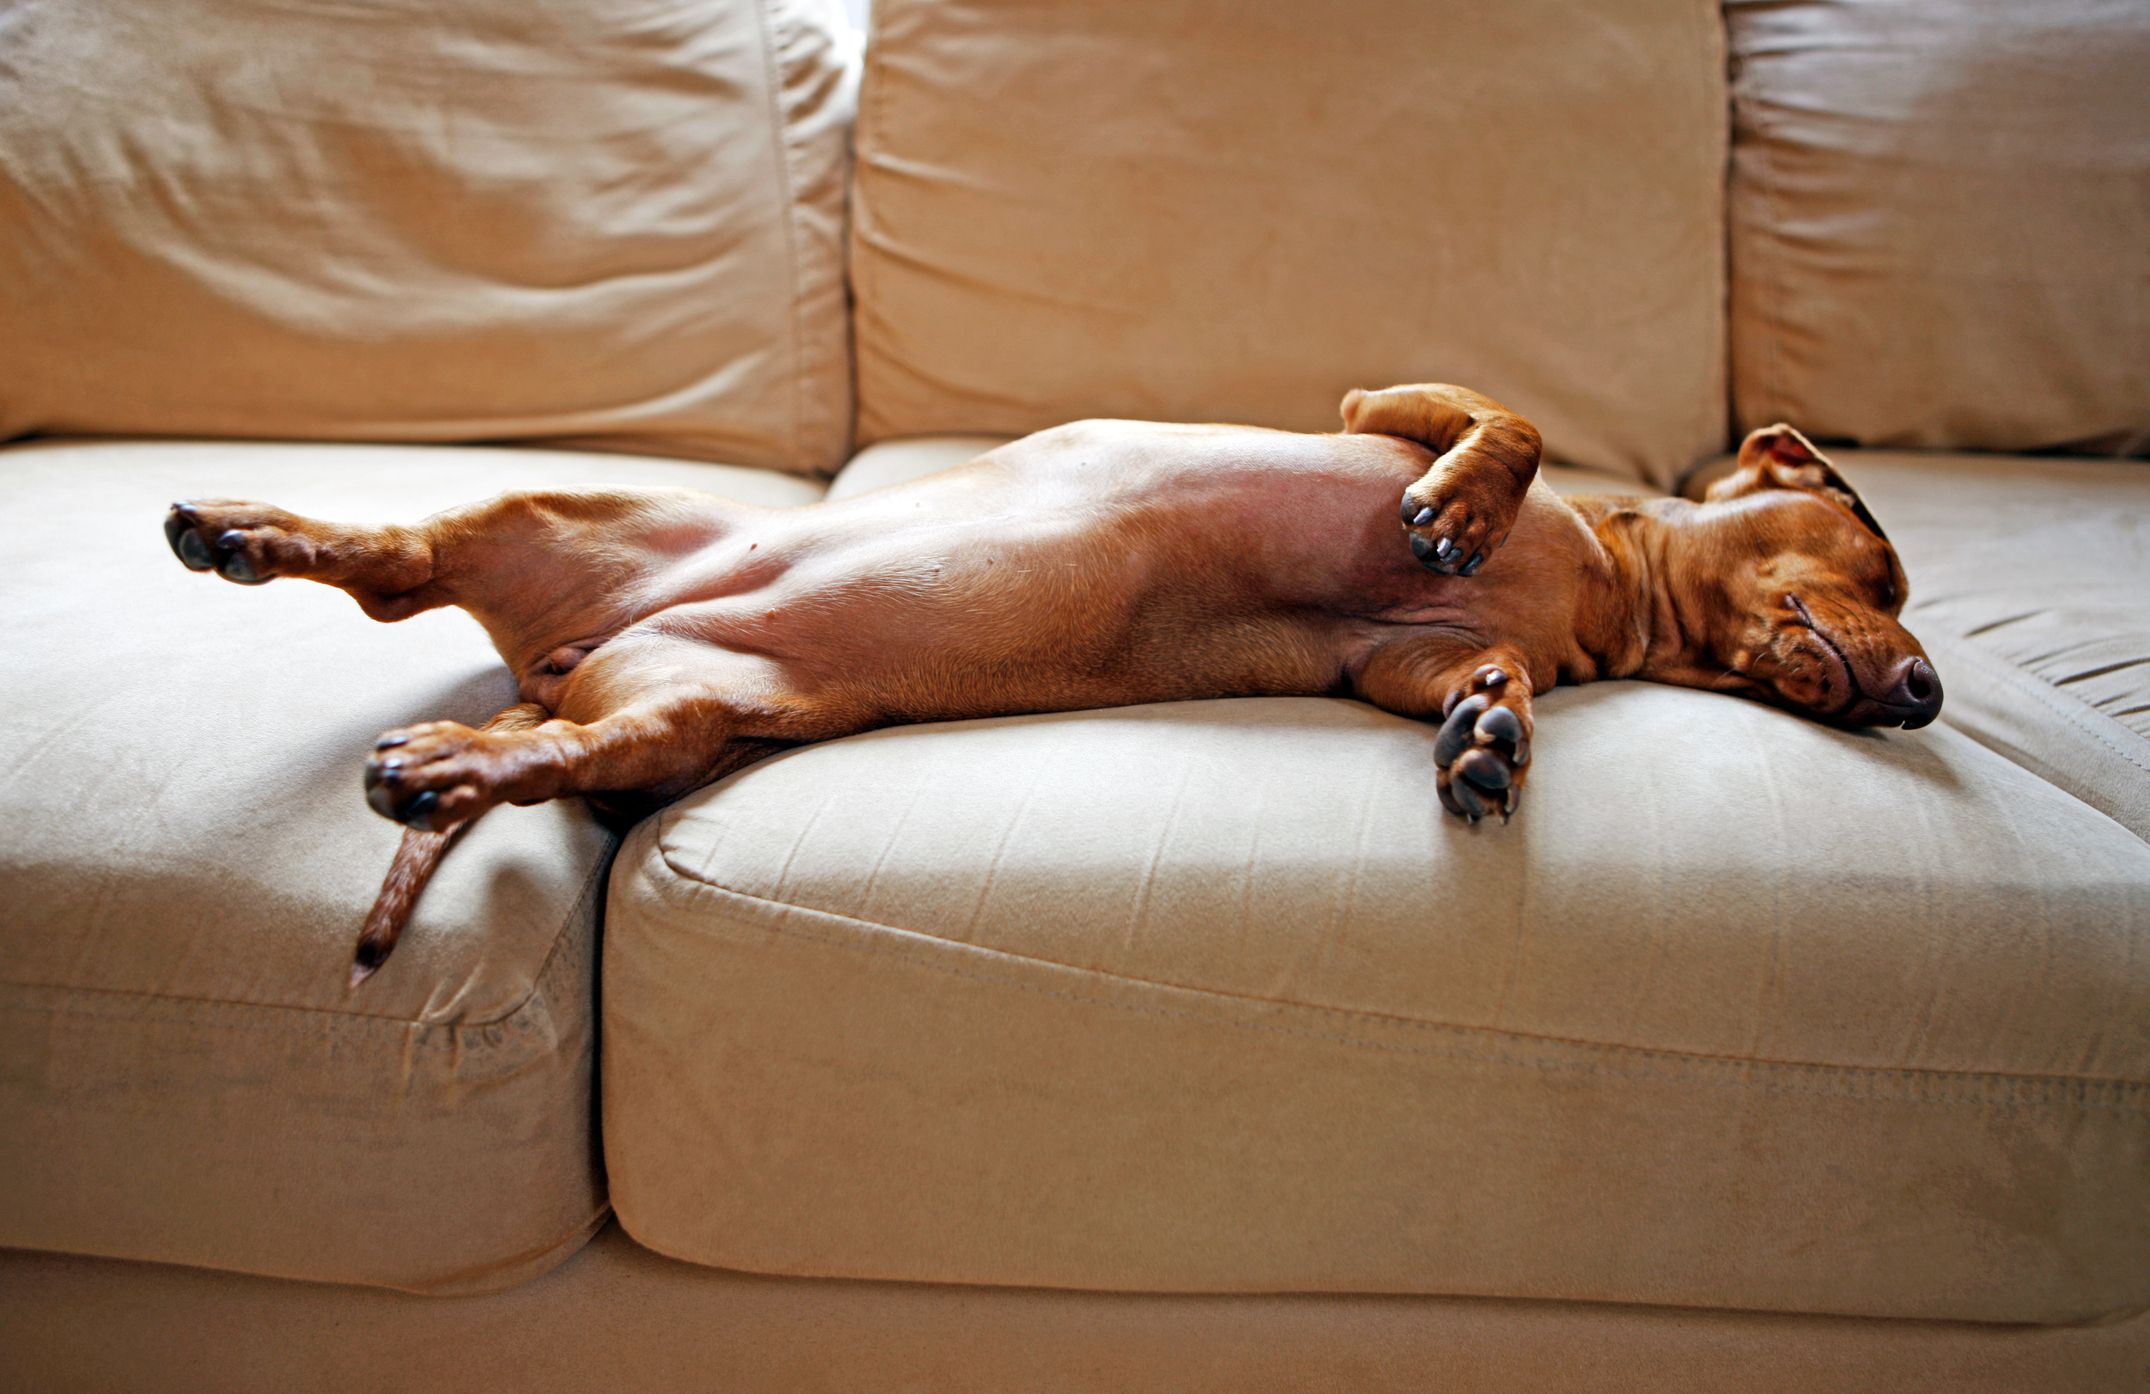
[1181, 1046]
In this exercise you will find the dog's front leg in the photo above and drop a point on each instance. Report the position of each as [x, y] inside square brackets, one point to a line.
[1460, 511]
[1481, 696]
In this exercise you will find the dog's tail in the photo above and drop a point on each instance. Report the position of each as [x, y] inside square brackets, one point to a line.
[417, 857]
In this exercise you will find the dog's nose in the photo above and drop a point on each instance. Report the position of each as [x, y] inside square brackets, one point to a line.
[1917, 693]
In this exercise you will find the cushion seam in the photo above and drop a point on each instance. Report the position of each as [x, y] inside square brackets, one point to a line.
[2069, 708]
[780, 148]
[2076, 1084]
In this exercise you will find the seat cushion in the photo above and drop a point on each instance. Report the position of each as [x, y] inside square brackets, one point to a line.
[1938, 215]
[1212, 211]
[183, 1076]
[1741, 1011]
[2030, 587]
[428, 220]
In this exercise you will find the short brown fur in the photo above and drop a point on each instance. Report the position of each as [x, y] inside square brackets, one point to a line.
[662, 639]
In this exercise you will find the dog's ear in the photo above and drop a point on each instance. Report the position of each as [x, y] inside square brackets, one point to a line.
[1778, 457]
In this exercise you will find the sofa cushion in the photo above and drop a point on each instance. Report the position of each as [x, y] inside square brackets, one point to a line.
[1940, 221]
[428, 220]
[183, 1076]
[1214, 211]
[1741, 1011]
[2030, 587]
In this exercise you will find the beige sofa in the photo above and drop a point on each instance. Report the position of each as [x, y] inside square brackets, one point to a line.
[1184, 1046]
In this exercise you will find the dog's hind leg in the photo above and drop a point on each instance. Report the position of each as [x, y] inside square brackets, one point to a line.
[522, 563]
[1460, 511]
[648, 714]
[417, 857]
[388, 570]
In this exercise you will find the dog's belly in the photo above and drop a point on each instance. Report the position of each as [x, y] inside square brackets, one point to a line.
[1100, 564]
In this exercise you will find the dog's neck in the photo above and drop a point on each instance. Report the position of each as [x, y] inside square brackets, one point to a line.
[1636, 617]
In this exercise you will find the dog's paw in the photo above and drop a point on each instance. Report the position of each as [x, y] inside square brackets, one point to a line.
[243, 542]
[1456, 523]
[1483, 747]
[433, 775]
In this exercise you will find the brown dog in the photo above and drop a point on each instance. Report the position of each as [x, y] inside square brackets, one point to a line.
[662, 639]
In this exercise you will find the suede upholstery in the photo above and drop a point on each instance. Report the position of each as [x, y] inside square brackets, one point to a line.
[1249, 210]
[420, 221]
[1938, 213]
[1184, 1047]
[617, 1316]
[966, 1003]
[182, 1074]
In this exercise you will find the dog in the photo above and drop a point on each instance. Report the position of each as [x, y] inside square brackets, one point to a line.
[662, 639]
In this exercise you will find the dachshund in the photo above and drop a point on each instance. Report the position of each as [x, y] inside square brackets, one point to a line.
[662, 639]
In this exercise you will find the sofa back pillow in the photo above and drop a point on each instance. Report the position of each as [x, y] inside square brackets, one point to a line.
[427, 220]
[1212, 210]
[1941, 221]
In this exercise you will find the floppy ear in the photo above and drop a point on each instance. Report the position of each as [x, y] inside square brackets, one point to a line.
[1778, 457]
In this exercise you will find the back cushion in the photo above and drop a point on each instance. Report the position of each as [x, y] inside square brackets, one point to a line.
[427, 220]
[1941, 221]
[1216, 210]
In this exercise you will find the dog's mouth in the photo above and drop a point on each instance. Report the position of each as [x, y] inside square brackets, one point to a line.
[1913, 700]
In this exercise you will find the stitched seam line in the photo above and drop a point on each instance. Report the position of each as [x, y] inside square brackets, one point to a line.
[1717, 28]
[538, 982]
[2070, 709]
[2080, 1085]
[867, 132]
[1770, 295]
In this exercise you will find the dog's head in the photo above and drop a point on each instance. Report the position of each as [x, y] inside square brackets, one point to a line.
[1795, 591]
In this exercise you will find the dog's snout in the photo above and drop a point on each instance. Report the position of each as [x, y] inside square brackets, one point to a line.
[1909, 695]
[1917, 693]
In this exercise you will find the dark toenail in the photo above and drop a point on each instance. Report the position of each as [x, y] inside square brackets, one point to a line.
[1470, 568]
[1484, 769]
[232, 564]
[1425, 516]
[379, 798]
[389, 742]
[1473, 803]
[417, 811]
[1456, 732]
[194, 552]
[1420, 547]
[1503, 725]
